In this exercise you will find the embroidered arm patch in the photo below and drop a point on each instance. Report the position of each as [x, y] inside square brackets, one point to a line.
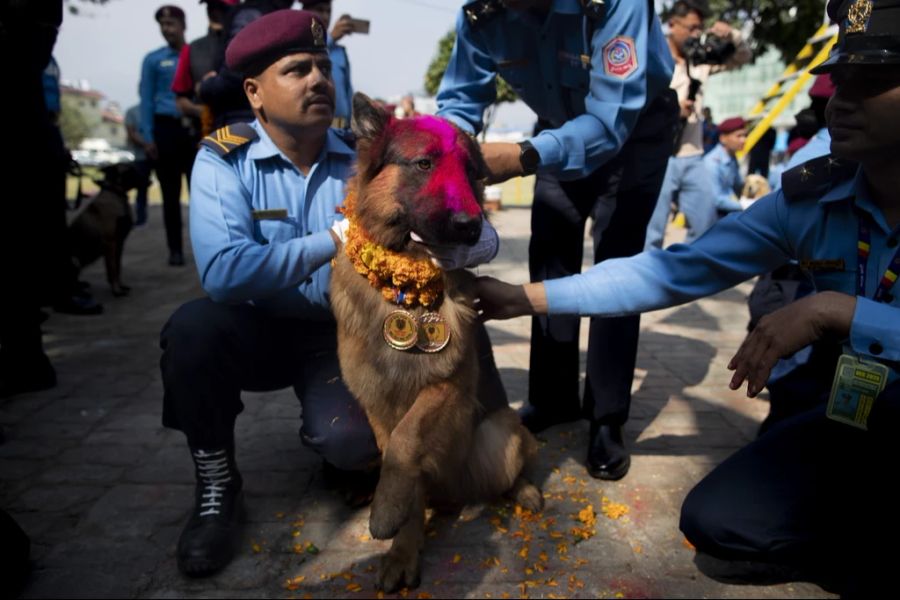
[620, 57]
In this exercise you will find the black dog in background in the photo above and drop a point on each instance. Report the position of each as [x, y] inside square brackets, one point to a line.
[101, 223]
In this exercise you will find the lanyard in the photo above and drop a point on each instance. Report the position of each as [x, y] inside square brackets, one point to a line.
[862, 256]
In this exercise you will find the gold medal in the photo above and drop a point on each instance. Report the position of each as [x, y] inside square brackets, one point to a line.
[433, 333]
[399, 330]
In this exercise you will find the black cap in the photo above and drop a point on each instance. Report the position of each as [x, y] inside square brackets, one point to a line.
[869, 33]
[169, 12]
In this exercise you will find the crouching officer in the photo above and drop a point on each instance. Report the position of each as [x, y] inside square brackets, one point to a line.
[264, 226]
[815, 490]
[597, 75]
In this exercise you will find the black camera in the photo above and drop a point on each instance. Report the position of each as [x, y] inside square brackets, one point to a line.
[708, 49]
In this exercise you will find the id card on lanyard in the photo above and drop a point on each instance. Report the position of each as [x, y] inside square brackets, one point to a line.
[857, 383]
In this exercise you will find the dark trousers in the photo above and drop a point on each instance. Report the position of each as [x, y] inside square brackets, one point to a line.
[144, 168]
[810, 492]
[212, 351]
[177, 149]
[619, 197]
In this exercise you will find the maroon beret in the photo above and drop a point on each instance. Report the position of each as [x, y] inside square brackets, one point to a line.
[732, 124]
[273, 36]
[169, 12]
[796, 144]
[822, 87]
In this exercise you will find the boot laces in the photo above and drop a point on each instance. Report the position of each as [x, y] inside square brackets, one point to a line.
[213, 472]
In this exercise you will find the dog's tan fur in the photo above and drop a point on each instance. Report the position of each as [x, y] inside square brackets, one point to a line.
[755, 187]
[437, 441]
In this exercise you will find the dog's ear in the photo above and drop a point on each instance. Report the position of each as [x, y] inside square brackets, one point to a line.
[368, 119]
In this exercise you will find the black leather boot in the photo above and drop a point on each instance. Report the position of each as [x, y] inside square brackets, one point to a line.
[607, 457]
[211, 536]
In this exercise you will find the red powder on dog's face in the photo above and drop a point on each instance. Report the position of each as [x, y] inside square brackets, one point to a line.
[449, 180]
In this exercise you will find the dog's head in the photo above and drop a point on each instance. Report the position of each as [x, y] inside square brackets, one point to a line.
[120, 177]
[421, 175]
[755, 186]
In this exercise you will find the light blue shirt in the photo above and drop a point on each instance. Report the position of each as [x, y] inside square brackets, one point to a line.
[771, 232]
[726, 178]
[279, 264]
[819, 145]
[157, 97]
[343, 89]
[592, 108]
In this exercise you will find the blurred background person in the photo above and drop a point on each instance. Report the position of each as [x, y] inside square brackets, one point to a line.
[723, 168]
[697, 56]
[169, 141]
[136, 144]
[197, 61]
[340, 63]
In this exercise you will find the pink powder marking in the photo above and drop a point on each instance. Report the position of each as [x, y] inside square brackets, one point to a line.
[449, 179]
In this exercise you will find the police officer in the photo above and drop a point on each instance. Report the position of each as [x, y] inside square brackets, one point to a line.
[597, 75]
[722, 166]
[169, 142]
[815, 488]
[340, 63]
[264, 227]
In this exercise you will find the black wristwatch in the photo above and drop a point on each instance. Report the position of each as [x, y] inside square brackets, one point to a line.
[529, 158]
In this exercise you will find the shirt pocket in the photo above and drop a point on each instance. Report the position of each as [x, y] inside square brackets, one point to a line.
[267, 231]
[835, 281]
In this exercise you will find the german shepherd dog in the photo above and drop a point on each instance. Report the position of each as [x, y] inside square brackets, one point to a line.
[438, 443]
[101, 224]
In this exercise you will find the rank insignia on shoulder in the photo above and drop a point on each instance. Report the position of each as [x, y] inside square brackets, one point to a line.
[816, 176]
[481, 11]
[226, 139]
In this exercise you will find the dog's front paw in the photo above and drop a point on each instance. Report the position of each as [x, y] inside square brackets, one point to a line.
[399, 569]
[392, 504]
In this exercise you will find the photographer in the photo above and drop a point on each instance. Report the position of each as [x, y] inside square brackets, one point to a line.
[697, 56]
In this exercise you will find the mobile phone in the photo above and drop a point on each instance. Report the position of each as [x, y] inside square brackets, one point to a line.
[360, 25]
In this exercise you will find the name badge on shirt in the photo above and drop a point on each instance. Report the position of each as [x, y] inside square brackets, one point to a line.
[824, 264]
[272, 214]
[853, 392]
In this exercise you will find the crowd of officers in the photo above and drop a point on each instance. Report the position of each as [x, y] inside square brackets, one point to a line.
[618, 105]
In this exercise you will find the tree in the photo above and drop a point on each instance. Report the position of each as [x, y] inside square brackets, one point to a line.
[781, 24]
[74, 123]
[438, 65]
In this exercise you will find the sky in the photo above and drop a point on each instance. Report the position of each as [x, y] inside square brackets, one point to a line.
[106, 44]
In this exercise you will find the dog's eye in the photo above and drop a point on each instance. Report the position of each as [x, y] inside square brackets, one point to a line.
[424, 164]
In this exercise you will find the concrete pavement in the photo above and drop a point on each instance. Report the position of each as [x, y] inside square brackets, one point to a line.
[103, 490]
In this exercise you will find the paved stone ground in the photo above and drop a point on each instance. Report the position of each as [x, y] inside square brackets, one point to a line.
[103, 489]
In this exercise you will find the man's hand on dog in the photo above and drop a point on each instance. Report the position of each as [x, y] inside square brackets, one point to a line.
[339, 232]
[503, 160]
[496, 299]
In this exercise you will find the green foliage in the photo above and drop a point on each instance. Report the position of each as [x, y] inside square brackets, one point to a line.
[74, 123]
[438, 65]
[781, 24]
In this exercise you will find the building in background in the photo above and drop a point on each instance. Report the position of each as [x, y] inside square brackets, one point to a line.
[96, 119]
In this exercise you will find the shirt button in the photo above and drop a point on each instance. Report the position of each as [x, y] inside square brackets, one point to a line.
[876, 348]
[308, 280]
[309, 233]
[888, 297]
[549, 86]
[892, 242]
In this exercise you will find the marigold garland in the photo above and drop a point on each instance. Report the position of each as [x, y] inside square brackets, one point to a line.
[401, 279]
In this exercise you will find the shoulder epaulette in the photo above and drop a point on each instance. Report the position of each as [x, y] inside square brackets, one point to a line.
[481, 11]
[226, 139]
[816, 176]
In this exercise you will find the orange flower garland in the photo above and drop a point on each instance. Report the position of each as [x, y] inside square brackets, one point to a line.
[401, 279]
